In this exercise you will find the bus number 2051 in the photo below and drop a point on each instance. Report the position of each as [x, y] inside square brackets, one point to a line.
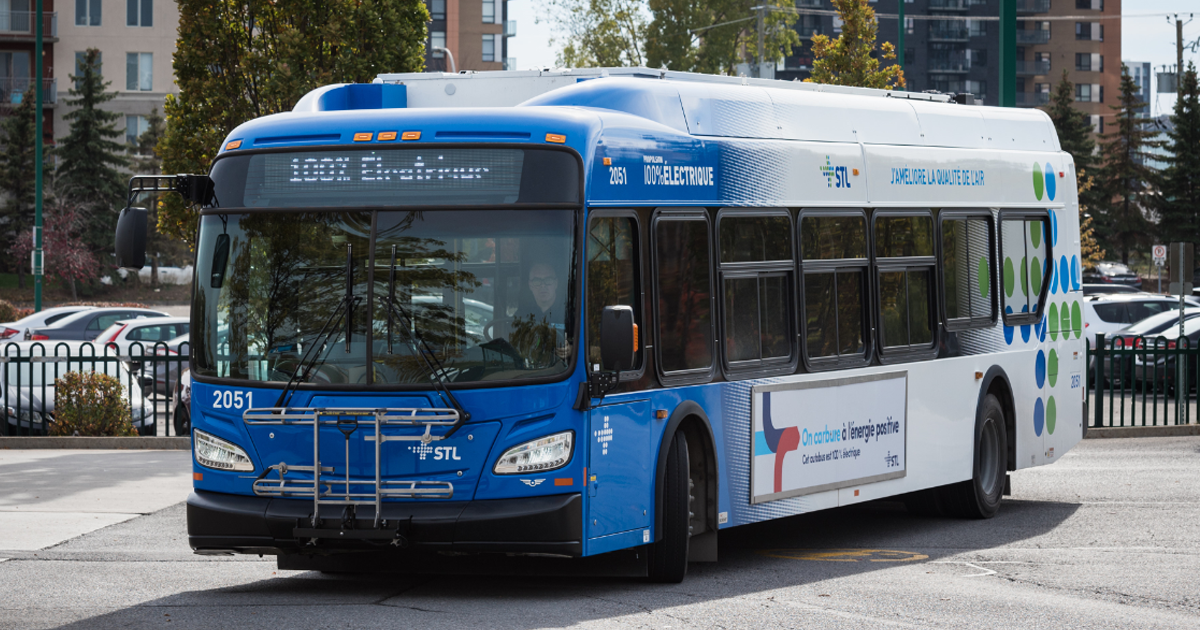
[229, 399]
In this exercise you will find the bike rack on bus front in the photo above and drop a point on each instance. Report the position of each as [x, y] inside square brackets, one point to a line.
[321, 489]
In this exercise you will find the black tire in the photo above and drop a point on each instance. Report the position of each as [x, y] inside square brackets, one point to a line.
[668, 558]
[183, 421]
[980, 496]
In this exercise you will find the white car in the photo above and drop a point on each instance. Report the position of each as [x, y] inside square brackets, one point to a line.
[141, 336]
[20, 330]
[1112, 312]
[38, 378]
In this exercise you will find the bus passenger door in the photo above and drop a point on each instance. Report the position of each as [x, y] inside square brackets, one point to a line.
[620, 470]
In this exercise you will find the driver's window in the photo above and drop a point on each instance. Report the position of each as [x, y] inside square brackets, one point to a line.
[612, 276]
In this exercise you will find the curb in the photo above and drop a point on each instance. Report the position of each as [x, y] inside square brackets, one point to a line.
[108, 443]
[1139, 432]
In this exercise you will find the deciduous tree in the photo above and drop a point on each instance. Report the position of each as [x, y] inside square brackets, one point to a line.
[67, 256]
[599, 33]
[238, 60]
[714, 36]
[849, 59]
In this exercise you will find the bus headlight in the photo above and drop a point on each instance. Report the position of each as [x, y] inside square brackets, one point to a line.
[540, 455]
[213, 452]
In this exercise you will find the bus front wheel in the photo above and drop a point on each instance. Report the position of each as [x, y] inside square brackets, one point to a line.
[667, 559]
[979, 496]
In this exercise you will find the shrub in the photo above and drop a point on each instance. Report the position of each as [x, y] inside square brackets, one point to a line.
[8, 312]
[90, 404]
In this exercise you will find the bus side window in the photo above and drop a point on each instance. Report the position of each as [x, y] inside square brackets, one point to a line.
[905, 264]
[1026, 265]
[612, 276]
[684, 295]
[833, 264]
[967, 278]
[756, 283]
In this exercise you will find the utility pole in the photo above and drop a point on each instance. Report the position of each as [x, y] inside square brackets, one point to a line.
[900, 35]
[1008, 53]
[38, 262]
[758, 67]
[1179, 54]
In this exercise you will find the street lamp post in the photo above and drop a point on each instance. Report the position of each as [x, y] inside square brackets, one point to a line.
[37, 262]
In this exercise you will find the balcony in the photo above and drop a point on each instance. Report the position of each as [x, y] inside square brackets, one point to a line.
[12, 91]
[948, 5]
[807, 32]
[808, 3]
[1032, 37]
[19, 25]
[1033, 68]
[510, 28]
[1033, 6]
[1032, 99]
[949, 66]
[948, 33]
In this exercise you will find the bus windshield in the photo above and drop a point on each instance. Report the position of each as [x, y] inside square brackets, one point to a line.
[283, 294]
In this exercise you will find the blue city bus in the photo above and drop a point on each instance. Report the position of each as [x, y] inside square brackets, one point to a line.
[579, 312]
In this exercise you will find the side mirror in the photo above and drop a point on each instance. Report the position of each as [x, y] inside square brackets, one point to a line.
[618, 338]
[131, 238]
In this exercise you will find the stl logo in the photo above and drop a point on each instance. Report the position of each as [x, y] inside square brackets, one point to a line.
[835, 176]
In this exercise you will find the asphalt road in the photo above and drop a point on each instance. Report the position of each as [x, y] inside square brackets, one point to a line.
[1107, 537]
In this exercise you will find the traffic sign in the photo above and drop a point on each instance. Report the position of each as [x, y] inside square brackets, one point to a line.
[1160, 255]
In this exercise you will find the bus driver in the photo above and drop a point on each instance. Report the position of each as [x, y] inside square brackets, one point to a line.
[541, 324]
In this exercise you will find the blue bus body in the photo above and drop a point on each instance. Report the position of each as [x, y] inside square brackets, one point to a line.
[645, 148]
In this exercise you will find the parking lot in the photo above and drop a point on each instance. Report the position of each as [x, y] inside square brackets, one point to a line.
[1104, 538]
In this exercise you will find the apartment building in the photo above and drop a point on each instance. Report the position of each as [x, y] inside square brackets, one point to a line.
[954, 46]
[136, 40]
[17, 45]
[475, 32]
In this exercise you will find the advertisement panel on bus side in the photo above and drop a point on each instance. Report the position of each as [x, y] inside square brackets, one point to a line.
[821, 435]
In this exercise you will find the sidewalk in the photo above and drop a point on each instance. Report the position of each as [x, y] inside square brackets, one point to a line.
[49, 496]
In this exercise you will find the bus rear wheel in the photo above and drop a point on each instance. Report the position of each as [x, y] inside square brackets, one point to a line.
[979, 496]
[668, 558]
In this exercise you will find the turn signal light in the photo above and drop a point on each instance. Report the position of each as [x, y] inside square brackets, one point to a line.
[233, 145]
[635, 337]
[410, 135]
[556, 138]
[364, 136]
[385, 136]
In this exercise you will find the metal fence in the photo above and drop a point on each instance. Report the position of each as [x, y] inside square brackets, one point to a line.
[149, 376]
[1133, 382]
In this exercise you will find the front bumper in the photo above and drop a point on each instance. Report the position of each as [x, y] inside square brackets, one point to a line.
[226, 523]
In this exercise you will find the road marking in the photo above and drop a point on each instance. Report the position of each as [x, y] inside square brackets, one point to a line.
[849, 615]
[845, 555]
[986, 572]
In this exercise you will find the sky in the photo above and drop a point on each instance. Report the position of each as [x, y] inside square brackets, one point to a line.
[1143, 38]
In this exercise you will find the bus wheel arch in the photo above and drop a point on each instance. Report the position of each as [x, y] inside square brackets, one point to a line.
[690, 418]
[996, 383]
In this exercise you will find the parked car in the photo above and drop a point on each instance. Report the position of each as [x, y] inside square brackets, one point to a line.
[23, 412]
[181, 405]
[1102, 289]
[1158, 368]
[160, 376]
[37, 379]
[1137, 336]
[1109, 313]
[1112, 273]
[21, 330]
[87, 325]
[142, 335]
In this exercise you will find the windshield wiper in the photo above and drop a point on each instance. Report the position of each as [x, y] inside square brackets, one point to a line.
[432, 363]
[345, 306]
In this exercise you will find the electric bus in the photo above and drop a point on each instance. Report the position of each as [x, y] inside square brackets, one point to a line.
[575, 312]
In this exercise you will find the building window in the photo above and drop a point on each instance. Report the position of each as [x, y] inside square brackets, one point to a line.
[1083, 62]
[87, 12]
[437, 40]
[489, 11]
[1091, 5]
[14, 76]
[135, 126]
[81, 59]
[977, 28]
[977, 58]
[139, 12]
[437, 10]
[489, 47]
[909, 25]
[1083, 92]
[139, 72]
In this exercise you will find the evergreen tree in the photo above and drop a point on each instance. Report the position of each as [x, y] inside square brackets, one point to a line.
[1179, 207]
[1074, 132]
[145, 159]
[849, 60]
[90, 159]
[1126, 183]
[240, 59]
[17, 167]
